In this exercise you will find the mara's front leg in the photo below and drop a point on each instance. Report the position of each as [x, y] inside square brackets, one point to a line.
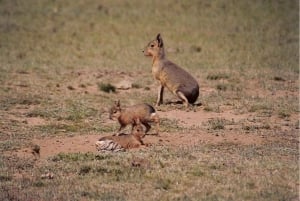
[160, 95]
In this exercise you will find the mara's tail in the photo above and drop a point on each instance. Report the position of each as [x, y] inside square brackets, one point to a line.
[193, 95]
[154, 117]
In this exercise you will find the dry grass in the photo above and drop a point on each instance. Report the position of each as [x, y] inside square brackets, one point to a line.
[55, 54]
[225, 171]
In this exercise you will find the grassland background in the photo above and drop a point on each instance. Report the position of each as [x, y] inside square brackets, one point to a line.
[44, 45]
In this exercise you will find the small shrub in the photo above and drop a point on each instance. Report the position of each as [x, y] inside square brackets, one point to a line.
[39, 184]
[284, 114]
[77, 111]
[217, 76]
[84, 170]
[278, 78]
[85, 194]
[208, 108]
[170, 125]
[4, 178]
[248, 127]
[102, 157]
[297, 124]
[107, 87]
[222, 87]
[196, 48]
[38, 113]
[217, 124]
[214, 167]
[183, 198]
[135, 85]
[265, 126]
[82, 86]
[197, 172]
[260, 106]
[164, 184]
[250, 185]
[68, 157]
[111, 196]
[71, 88]
[102, 170]
[256, 127]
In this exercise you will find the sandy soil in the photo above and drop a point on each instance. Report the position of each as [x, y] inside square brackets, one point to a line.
[194, 119]
[86, 142]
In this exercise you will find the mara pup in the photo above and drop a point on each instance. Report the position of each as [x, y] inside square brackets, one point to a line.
[123, 141]
[144, 112]
[169, 75]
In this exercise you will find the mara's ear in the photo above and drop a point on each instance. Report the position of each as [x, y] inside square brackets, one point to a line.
[117, 103]
[159, 40]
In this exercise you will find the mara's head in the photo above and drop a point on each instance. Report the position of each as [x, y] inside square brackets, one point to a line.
[155, 48]
[138, 129]
[115, 110]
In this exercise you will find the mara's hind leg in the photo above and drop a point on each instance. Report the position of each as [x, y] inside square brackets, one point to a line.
[182, 97]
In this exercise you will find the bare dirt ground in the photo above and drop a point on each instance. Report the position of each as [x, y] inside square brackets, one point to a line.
[86, 143]
[193, 121]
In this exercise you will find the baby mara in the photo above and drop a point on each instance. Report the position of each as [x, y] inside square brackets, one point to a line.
[128, 115]
[123, 141]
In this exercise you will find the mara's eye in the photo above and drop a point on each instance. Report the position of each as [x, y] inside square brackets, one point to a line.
[151, 45]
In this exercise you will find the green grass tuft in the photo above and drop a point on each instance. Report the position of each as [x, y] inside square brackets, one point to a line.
[69, 157]
[217, 124]
[107, 87]
[217, 76]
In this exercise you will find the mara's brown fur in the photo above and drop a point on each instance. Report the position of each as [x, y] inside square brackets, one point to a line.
[123, 141]
[144, 112]
[169, 75]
